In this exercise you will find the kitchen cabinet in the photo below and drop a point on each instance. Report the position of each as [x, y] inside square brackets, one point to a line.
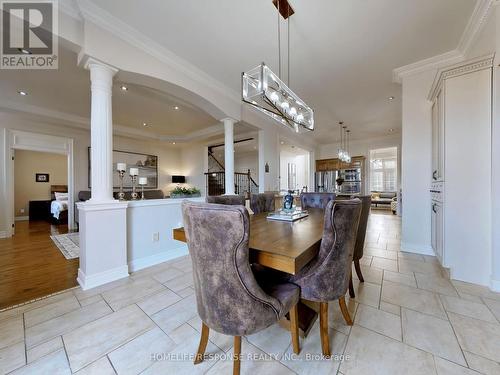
[438, 137]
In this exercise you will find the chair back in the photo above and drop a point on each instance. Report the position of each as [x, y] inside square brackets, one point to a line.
[315, 200]
[262, 202]
[366, 202]
[326, 278]
[232, 200]
[229, 300]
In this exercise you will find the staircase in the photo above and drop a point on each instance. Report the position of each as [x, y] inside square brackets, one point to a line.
[215, 179]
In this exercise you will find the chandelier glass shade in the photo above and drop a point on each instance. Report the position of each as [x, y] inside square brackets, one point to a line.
[343, 151]
[264, 90]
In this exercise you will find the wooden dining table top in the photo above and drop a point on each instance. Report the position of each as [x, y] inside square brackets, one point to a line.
[283, 246]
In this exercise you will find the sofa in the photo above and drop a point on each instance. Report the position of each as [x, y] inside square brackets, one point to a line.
[384, 199]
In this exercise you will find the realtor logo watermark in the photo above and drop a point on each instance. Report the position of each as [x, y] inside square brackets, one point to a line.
[29, 34]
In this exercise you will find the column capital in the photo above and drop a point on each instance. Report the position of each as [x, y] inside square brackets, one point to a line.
[89, 62]
[229, 119]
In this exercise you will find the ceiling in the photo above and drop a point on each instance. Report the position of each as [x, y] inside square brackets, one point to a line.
[342, 51]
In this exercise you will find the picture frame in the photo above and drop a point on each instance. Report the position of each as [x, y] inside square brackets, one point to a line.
[147, 165]
[42, 177]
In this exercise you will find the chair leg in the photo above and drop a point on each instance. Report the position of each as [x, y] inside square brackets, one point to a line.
[345, 312]
[203, 344]
[323, 328]
[237, 355]
[351, 288]
[294, 328]
[358, 271]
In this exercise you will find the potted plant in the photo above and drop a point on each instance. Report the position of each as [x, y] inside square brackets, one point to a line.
[181, 192]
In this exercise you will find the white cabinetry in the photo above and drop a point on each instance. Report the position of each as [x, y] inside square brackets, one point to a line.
[461, 169]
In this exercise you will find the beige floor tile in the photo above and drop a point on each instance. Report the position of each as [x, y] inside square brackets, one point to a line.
[381, 253]
[409, 266]
[180, 360]
[158, 301]
[477, 336]
[494, 306]
[430, 259]
[273, 340]
[445, 367]
[99, 367]
[370, 274]
[390, 308]
[400, 278]
[50, 311]
[431, 334]
[250, 363]
[186, 292]
[481, 364]
[151, 271]
[375, 354]
[376, 245]
[469, 297]
[410, 256]
[11, 331]
[90, 300]
[310, 360]
[105, 335]
[176, 315]
[55, 363]
[225, 342]
[83, 294]
[127, 294]
[476, 290]
[180, 282]
[12, 357]
[379, 321]
[137, 355]
[47, 347]
[472, 309]
[412, 298]
[386, 264]
[65, 323]
[366, 260]
[168, 274]
[435, 283]
[394, 246]
[336, 319]
[367, 293]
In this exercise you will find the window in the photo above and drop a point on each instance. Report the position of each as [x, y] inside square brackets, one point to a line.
[384, 169]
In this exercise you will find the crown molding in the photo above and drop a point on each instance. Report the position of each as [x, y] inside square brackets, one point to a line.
[70, 8]
[100, 17]
[482, 11]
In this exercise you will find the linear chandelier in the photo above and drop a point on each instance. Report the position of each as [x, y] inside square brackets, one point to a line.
[265, 91]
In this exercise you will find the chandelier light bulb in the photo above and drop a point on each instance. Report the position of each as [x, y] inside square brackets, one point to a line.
[274, 97]
[300, 117]
[293, 111]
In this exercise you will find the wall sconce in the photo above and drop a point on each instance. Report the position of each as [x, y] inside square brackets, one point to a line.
[266, 168]
[178, 179]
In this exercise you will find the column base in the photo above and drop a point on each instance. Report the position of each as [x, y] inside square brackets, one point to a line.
[92, 281]
[495, 285]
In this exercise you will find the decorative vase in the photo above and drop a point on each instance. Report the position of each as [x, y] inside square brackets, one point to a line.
[288, 201]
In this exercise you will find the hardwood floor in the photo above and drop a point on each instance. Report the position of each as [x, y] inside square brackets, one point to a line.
[31, 266]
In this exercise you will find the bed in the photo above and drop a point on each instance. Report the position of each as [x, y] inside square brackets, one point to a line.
[59, 204]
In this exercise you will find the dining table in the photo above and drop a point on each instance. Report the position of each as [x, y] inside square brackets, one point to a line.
[287, 247]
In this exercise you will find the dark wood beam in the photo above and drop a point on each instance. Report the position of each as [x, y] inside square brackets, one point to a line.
[285, 8]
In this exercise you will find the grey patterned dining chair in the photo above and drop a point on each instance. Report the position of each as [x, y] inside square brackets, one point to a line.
[232, 200]
[366, 202]
[315, 200]
[229, 298]
[326, 277]
[262, 202]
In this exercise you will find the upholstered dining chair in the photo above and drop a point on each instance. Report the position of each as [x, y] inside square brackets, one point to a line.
[262, 202]
[229, 297]
[366, 202]
[315, 200]
[326, 277]
[232, 200]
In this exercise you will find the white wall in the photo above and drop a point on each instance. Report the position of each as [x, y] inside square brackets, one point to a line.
[362, 148]
[302, 167]
[416, 163]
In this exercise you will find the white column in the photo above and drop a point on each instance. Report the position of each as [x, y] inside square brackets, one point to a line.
[229, 154]
[101, 131]
[262, 162]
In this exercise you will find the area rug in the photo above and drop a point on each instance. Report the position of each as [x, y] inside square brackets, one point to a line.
[69, 244]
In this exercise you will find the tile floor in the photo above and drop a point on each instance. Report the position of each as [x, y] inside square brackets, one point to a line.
[408, 319]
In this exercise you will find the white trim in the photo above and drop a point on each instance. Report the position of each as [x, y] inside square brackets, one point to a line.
[88, 282]
[474, 27]
[141, 263]
[22, 140]
[21, 218]
[417, 249]
[101, 206]
[495, 285]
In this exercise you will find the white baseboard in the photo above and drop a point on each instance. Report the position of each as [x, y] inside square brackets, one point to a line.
[4, 234]
[495, 285]
[141, 263]
[417, 249]
[22, 218]
[91, 281]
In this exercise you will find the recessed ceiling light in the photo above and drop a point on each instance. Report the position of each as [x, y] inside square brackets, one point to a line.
[24, 51]
[176, 108]
[173, 143]
[391, 130]
[22, 93]
[282, 142]
[144, 124]
[123, 88]
[391, 98]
